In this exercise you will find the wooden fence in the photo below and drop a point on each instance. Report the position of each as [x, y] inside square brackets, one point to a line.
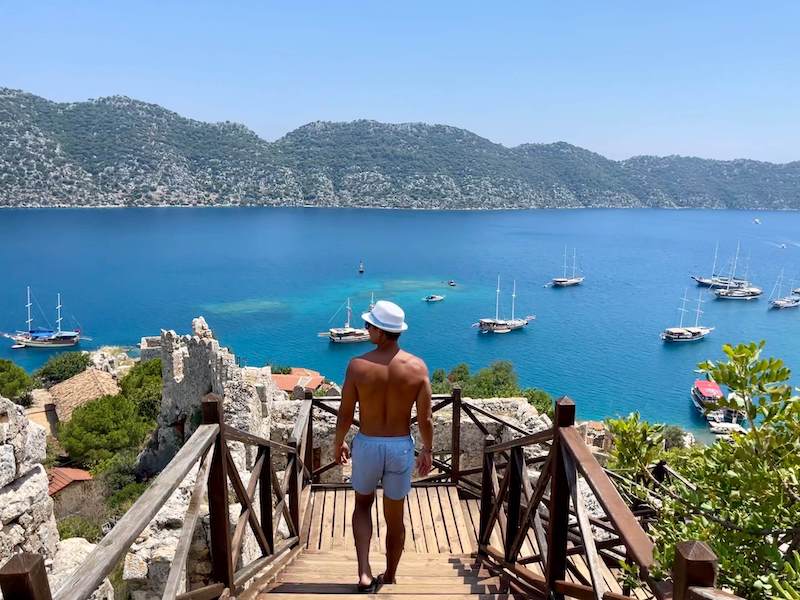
[552, 508]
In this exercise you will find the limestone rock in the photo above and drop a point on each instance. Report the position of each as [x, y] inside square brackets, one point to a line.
[19, 496]
[70, 555]
[8, 465]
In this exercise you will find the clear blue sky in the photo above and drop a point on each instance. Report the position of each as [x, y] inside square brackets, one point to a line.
[712, 79]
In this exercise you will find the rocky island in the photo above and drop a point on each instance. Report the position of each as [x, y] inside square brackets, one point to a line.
[117, 151]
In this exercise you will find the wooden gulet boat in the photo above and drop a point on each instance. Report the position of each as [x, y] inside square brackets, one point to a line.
[41, 337]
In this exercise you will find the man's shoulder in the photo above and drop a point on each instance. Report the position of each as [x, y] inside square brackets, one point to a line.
[413, 362]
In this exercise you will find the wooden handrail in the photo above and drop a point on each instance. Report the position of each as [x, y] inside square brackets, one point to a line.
[636, 541]
[529, 440]
[102, 560]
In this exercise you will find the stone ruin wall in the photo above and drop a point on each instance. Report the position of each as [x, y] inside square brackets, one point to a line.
[193, 366]
[27, 523]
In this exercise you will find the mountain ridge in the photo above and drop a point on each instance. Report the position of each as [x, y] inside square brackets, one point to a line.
[119, 151]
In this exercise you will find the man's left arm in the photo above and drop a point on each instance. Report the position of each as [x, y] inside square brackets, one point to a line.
[347, 407]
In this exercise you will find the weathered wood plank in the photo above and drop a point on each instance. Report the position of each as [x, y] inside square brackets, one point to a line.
[326, 533]
[439, 528]
[427, 519]
[449, 521]
[190, 519]
[416, 522]
[316, 519]
[408, 545]
[458, 517]
[102, 560]
[349, 540]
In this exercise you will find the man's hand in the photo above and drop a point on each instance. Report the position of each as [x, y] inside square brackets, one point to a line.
[342, 454]
[424, 462]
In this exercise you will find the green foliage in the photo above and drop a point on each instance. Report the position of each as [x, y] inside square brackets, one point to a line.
[673, 436]
[637, 444]
[15, 384]
[787, 585]
[101, 428]
[498, 380]
[78, 526]
[122, 500]
[61, 367]
[281, 369]
[142, 384]
[744, 500]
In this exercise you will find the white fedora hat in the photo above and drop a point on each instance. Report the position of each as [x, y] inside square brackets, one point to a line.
[387, 316]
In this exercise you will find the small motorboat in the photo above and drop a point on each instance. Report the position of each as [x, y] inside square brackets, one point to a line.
[452, 283]
[361, 267]
[433, 298]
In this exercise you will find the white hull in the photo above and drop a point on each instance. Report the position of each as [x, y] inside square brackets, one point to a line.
[44, 344]
[685, 334]
[349, 340]
[748, 293]
[569, 281]
[788, 302]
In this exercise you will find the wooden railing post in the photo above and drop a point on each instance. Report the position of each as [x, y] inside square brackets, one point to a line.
[695, 565]
[23, 578]
[455, 461]
[486, 495]
[559, 500]
[516, 464]
[265, 497]
[295, 483]
[222, 567]
[308, 454]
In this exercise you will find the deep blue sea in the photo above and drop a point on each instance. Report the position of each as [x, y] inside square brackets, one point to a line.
[267, 280]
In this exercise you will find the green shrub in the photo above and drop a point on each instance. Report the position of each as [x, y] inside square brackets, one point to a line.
[77, 526]
[281, 369]
[15, 384]
[101, 428]
[540, 400]
[142, 384]
[122, 500]
[61, 367]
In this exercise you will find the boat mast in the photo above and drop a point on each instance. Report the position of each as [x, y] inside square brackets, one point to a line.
[513, 298]
[58, 314]
[714, 268]
[698, 311]
[683, 306]
[776, 291]
[28, 306]
[565, 262]
[574, 258]
[733, 270]
[349, 313]
[497, 301]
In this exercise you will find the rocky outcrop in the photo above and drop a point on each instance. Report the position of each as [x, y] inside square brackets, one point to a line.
[70, 555]
[192, 367]
[26, 510]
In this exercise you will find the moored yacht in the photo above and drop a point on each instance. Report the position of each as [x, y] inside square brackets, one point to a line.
[778, 301]
[498, 325]
[433, 298]
[41, 337]
[347, 334]
[705, 397]
[687, 334]
[716, 280]
[574, 279]
[734, 291]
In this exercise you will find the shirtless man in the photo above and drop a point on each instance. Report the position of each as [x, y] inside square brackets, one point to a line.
[386, 383]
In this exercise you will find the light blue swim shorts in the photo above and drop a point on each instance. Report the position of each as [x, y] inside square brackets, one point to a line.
[389, 460]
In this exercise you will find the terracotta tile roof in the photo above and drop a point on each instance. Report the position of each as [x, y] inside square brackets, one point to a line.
[61, 477]
[84, 387]
[305, 378]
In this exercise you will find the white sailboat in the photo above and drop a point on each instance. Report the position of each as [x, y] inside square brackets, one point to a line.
[41, 337]
[780, 302]
[687, 334]
[733, 291]
[347, 334]
[498, 325]
[716, 280]
[572, 280]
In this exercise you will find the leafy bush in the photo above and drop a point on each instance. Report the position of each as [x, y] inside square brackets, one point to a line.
[744, 500]
[281, 369]
[77, 526]
[15, 384]
[498, 380]
[122, 500]
[142, 384]
[101, 428]
[673, 437]
[61, 367]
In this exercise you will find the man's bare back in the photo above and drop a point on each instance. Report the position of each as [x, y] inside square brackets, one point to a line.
[387, 385]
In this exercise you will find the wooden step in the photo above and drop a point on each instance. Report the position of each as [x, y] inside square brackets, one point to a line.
[438, 572]
[386, 596]
[412, 587]
[293, 576]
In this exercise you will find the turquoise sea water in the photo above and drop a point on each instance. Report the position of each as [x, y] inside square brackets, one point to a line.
[267, 280]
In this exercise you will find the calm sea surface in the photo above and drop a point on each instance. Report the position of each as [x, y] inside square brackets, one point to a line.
[267, 280]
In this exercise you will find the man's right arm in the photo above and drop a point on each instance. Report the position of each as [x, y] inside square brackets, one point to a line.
[425, 423]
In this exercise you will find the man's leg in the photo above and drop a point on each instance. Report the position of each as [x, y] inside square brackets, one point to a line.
[395, 535]
[362, 533]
